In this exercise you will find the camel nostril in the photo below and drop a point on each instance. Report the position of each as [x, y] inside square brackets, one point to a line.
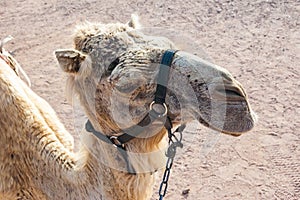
[233, 93]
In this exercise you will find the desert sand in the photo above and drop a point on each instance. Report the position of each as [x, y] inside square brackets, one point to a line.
[258, 42]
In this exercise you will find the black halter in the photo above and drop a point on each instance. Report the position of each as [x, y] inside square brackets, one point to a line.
[153, 115]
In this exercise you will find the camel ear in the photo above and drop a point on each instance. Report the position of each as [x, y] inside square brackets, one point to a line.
[134, 21]
[69, 59]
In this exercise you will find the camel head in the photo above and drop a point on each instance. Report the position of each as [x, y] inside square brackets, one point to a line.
[113, 69]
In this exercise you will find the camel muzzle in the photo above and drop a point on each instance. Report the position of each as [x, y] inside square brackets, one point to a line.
[210, 95]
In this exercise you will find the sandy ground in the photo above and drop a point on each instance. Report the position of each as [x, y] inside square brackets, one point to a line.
[258, 42]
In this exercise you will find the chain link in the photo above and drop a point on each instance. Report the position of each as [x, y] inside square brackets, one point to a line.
[174, 142]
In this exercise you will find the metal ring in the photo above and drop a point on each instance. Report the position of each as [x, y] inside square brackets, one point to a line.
[159, 115]
[115, 141]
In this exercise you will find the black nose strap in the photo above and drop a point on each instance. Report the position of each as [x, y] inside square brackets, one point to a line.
[163, 76]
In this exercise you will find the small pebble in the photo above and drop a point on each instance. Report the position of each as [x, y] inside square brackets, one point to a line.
[185, 192]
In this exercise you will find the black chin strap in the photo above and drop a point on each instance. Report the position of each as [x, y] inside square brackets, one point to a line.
[158, 111]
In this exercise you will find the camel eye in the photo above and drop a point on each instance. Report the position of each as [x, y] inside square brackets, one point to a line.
[112, 66]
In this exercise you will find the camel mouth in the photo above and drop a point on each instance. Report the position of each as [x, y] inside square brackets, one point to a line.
[238, 119]
[232, 128]
[228, 117]
[228, 111]
[240, 128]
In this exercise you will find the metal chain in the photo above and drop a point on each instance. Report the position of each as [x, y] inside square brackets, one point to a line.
[174, 142]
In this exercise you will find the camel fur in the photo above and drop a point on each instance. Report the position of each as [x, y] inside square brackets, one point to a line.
[109, 62]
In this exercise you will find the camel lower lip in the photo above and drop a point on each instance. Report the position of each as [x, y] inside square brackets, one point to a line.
[230, 124]
[230, 131]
